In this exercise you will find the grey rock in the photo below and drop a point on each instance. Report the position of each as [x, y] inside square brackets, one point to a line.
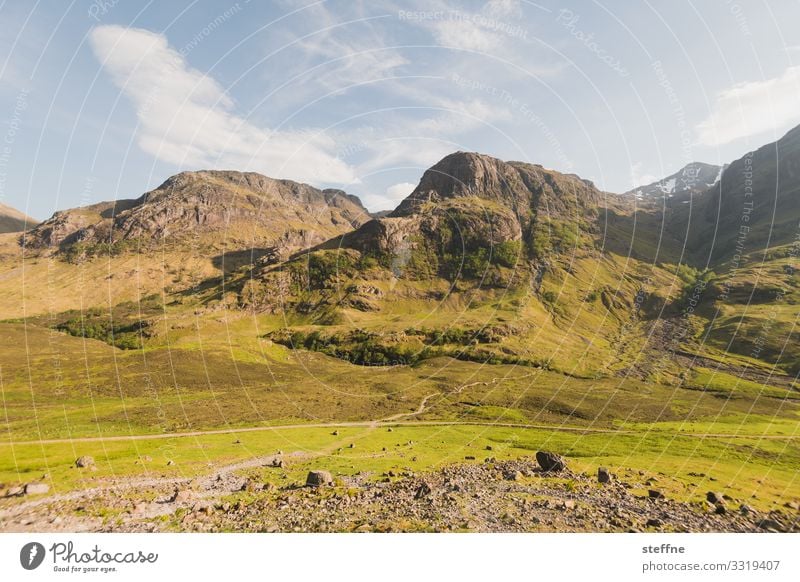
[550, 462]
[770, 525]
[603, 476]
[84, 461]
[422, 491]
[319, 478]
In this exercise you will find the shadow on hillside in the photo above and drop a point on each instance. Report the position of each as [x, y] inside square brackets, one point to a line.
[230, 262]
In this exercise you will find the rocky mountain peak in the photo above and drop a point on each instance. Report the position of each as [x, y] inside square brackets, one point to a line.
[459, 174]
[245, 207]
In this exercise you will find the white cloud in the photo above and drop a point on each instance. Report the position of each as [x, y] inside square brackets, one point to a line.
[640, 178]
[466, 34]
[398, 192]
[346, 62]
[186, 118]
[749, 109]
[390, 198]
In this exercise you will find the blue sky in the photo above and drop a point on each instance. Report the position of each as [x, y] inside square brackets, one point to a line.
[105, 99]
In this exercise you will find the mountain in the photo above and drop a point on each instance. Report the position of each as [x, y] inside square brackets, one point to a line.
[210, 208]
[692, 178]
[755, 206]
[12, 220]
[469, 207]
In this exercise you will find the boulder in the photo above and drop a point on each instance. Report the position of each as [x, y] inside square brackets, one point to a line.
[550, 461]
[319, 478]
[714, 498]
[84, 461]
[180, 496]
[655, 494]
[36, 488]
[422, 491]
[603, 476]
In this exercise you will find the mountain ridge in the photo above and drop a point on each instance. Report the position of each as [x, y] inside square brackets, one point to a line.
[12, 220]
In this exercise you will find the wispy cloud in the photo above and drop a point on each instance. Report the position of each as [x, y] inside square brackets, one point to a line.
[639, 177]
[186, 118]
[750, 109]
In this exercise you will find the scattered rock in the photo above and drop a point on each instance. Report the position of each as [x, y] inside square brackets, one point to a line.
[792, 505]
[352, 445]
[170, 463]
[550, 461]
[422, 491]
[655, 494]
[84, 462]
[36, 488]
[603, 476]
[745, 509]
[489, 448]
[568, 504]
[279, 463]
[654, 522]
[15, 491]
[719, 509]
[335, 433]
[770, 525]
[390, 429]
[469, 458]
[180, 496]
[714, 498]
[319, 478]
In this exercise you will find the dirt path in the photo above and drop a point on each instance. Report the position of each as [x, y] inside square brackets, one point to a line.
[388, 421]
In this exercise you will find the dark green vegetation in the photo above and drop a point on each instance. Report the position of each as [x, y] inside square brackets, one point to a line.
[506, 300]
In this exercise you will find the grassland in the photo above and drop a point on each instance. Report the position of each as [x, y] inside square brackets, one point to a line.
[205, 365]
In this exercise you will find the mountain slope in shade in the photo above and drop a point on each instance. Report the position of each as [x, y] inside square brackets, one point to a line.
[242, 209]
[694, 177]
[755, 206]
[12, 220]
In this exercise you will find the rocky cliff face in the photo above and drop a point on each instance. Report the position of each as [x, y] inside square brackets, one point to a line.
[470, 201]
[211, 207]
[12, 220]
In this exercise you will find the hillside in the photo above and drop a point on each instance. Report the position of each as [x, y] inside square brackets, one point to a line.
[12, 220]
[754, 206]
[210, 208]
[502, 307]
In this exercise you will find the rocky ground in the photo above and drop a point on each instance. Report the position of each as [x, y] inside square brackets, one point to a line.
[490, 496]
